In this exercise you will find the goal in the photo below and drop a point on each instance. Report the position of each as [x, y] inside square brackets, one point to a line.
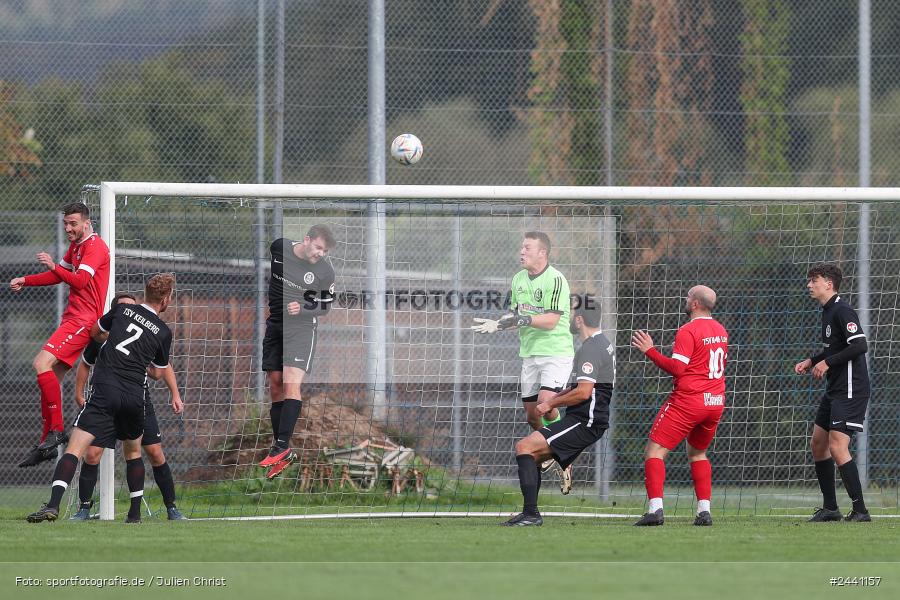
[406, 412]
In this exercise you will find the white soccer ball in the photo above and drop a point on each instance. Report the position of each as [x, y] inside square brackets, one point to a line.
[406, 149]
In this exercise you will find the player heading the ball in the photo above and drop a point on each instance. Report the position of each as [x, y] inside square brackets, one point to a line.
[301, 290]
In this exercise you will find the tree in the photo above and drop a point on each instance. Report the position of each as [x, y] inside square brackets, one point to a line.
[765, 69]
[669, 90]
[564, 117]
[19, 149]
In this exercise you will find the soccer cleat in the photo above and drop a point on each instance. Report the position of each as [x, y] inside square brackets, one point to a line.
[174, 514]
[276, 455]
[824, 514]
[703, 519]
[45, 514]
[524, 520]
[84, 513]
[35, 457]
[278, 467]
[565, 480]
[54, 439]
[547, 465]
[651, 519]
[858, 517]
[130, 519]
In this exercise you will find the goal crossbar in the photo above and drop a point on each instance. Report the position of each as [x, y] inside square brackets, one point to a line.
[502, 192]
[108, 191]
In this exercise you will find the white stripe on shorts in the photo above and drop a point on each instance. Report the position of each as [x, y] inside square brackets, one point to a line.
[563, 432]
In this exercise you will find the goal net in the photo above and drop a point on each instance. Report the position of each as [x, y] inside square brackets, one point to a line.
[407, 412]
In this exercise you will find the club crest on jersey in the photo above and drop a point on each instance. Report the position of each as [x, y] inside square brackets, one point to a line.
[852, 327]
[538, 294]
[828, 331]
[309, 278]
[587, 368]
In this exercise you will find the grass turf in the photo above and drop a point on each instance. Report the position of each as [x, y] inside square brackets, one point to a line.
[457, 557]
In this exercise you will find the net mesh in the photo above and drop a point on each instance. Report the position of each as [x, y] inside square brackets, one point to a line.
[444, 438]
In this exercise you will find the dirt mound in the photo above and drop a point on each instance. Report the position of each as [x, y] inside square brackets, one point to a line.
[325, 423]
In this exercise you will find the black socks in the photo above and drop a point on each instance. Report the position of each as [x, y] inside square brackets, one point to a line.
[529, 482]
[290, 412]
[850, 476]
[62, 477]
[825, 475]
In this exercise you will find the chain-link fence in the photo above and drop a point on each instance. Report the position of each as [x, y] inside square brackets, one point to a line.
[693, 92]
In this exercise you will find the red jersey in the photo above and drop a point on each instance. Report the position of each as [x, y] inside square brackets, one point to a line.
[85, 267]
[698, 362]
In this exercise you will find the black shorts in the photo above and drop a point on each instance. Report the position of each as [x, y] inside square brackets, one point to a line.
[293, 347]
[112, 414]
[569, 437]
[152, 434]
[847, 415]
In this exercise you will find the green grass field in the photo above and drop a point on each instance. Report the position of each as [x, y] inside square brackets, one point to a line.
[741, 557]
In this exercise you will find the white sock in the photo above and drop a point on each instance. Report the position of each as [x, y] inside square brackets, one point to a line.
[702, 506]
[655, 504]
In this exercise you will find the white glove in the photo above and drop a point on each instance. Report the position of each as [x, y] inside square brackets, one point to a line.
[485, 326]
[507, 321]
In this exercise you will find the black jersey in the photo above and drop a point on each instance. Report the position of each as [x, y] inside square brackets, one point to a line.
[846, 378]
[595, 361]
[137, 339]
[92, 351]
[294, 279]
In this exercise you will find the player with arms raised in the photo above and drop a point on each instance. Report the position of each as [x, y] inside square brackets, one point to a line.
[695, 406]
[301, 288]
[539, 299]
[137, 345]
[85, 268]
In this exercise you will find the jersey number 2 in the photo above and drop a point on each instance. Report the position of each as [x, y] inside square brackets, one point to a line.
[716, 363]
[137, 333]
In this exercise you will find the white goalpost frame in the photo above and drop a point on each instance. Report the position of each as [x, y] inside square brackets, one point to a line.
[638, 194]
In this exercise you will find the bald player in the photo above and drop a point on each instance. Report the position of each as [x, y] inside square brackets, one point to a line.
[694, 407]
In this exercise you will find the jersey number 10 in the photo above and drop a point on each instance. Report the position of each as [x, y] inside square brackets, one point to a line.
[716, 363]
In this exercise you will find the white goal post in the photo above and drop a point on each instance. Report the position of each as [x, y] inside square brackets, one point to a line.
[591, 196]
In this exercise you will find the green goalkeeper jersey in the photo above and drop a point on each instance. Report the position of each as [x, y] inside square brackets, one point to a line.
[546, 292]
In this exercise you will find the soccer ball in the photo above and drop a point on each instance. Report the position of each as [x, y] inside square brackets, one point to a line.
[406, 149]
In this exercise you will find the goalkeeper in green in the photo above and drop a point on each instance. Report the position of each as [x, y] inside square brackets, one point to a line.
[539, 300]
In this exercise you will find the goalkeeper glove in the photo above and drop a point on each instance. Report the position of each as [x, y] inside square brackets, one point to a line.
[507, 321]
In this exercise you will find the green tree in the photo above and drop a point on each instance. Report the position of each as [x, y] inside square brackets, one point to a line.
[564, 117]
[668, 87]
[19, 150]
[766, 70]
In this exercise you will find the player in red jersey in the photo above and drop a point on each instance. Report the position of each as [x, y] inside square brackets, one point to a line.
[85, 268]
[695, 405]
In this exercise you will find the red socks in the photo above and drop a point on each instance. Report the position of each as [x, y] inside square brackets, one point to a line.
[701, 473]
[51, 402]
[654, 477]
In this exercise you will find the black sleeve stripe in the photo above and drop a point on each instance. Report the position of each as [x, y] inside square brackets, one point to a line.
[557, 288]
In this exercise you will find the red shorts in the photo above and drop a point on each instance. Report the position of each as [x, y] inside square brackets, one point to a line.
[678, 420]
[68, 342]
